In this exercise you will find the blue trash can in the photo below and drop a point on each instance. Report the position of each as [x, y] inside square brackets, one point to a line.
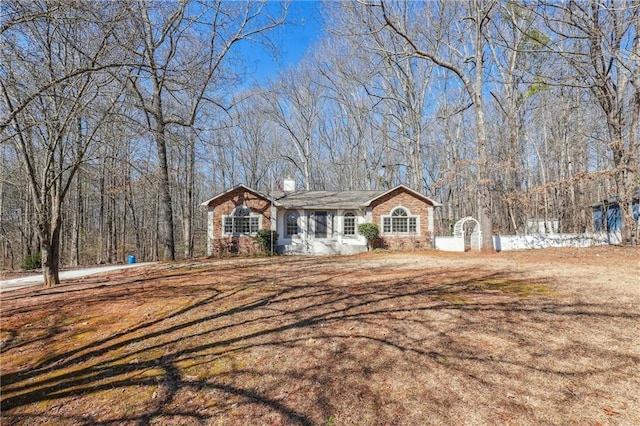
[131, 259]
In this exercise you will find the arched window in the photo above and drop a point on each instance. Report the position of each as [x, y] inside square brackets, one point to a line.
[291, 223]
[399, 222]
[349, 224]
[241, 222]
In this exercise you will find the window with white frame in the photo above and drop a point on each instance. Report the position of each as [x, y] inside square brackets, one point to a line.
[399, 222]
[291, 224]
[349, 224]
[241, 222]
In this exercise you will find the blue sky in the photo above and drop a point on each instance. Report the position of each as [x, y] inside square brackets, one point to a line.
[303, 28]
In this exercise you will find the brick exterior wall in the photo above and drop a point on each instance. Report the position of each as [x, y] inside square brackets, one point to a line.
[241, 244]
[417, 207]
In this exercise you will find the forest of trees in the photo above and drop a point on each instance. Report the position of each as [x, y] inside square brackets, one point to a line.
[119, 118]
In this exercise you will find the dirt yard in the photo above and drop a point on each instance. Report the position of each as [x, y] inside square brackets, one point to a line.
[516, 338]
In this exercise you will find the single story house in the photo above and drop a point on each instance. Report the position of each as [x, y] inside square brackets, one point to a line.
[318, 222]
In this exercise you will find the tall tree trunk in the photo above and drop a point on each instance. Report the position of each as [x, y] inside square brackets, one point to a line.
[75, 226]
[165, 197]
[188, 211]
[50, 248]
[622, 179]
[101, 226]
[164, 182]
[77, 211]
[129, 200]
[484, 179]
[484, 173]
[49, 227]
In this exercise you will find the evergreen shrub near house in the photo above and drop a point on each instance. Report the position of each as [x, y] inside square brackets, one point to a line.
[32, 261]
[370, 231]
[267, 240]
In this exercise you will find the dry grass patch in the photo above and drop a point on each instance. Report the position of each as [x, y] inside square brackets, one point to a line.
[385, 338]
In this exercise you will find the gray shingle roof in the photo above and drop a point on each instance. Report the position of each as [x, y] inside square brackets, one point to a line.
[329, 200]
[324, 199]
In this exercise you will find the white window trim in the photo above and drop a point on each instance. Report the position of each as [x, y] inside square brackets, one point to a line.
[355, 224]
[232, 215]
[400, 234]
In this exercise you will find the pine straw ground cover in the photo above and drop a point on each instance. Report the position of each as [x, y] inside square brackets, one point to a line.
[535, 337]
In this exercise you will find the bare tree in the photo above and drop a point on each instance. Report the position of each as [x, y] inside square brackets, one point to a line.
[295, 109]
[347, 130]
[182, 49]
[515, 43]
[56, 103]
[447, 21]
[600, 41]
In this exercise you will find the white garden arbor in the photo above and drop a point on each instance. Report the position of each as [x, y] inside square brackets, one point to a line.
[471, 239]
[466, 235]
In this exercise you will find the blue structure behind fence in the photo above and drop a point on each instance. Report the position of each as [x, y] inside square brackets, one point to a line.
[607, 217]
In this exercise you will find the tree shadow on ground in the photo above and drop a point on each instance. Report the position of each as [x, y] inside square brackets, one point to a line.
[298, 343]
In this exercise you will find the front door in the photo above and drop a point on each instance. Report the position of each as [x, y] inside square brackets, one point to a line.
[321, 224]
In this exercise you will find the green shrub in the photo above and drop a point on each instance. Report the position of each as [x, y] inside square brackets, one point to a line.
[267, 240]
[32, 261]
[370, 231]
